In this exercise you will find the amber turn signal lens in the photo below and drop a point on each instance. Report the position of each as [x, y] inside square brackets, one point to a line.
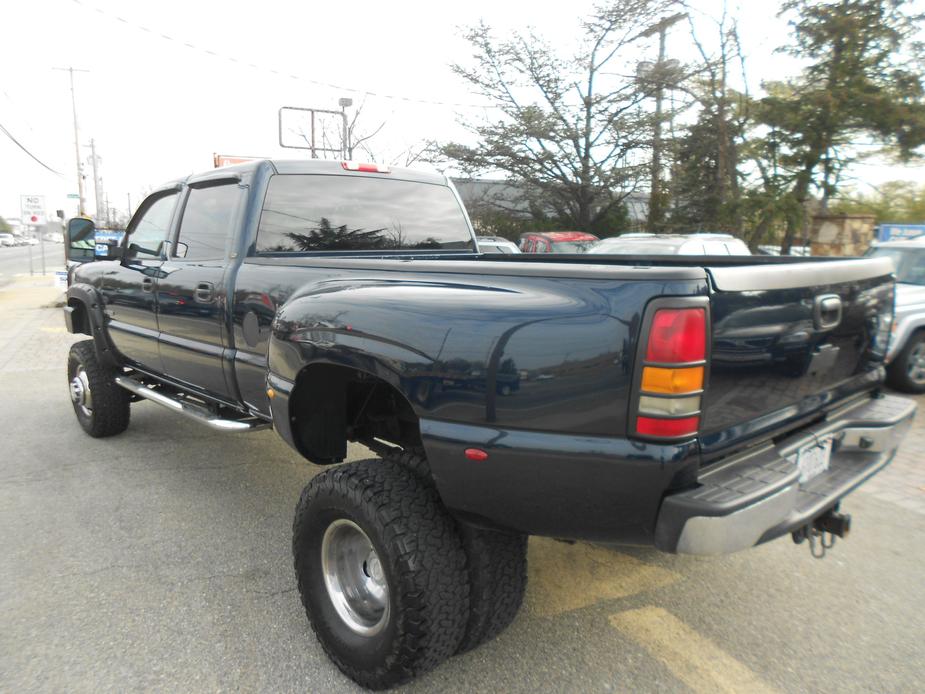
[672, 381]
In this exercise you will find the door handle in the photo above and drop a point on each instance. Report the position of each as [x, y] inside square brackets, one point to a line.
[205, 291]
[147, 284]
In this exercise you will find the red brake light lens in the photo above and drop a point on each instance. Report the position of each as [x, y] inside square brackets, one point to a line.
[677, 335]
[667, 428]
[364, 167]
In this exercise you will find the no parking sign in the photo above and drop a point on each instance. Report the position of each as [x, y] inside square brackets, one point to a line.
[33, 209]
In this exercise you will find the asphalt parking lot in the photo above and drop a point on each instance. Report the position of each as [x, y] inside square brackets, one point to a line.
[159, 559]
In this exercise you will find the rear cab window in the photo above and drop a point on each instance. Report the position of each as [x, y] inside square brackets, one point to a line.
[305, 213]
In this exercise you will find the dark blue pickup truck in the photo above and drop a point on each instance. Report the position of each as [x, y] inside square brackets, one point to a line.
[698, 404]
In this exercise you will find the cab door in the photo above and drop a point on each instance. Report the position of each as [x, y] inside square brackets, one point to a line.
[129, 286]
[192, 294]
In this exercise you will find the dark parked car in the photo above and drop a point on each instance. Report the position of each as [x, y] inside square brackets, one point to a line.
[700, 404]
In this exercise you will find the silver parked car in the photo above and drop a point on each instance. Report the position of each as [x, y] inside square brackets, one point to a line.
[906, 355]
[671, 244]
[496, 244]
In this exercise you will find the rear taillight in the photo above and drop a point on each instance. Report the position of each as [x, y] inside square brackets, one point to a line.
[672, 378]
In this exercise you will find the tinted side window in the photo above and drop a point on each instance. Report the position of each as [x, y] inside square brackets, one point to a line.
[208, 222]
[151, 231]
[303, 213]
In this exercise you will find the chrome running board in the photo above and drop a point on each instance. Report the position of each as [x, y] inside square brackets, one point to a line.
[190, 409]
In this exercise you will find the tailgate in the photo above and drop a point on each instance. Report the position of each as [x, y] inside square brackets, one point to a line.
[790, 338]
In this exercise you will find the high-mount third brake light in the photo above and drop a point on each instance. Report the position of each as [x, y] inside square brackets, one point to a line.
[364, 167]
[671, 383]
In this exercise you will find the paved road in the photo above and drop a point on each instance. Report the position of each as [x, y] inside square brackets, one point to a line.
[159, 559]
[14, 260]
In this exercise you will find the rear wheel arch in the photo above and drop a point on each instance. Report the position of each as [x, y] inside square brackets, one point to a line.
[333, 403]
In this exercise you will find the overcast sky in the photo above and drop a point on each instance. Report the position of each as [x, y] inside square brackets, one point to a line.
[200, 79]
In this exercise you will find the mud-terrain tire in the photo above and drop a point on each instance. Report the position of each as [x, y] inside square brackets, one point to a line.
[102, 407]
[365, 525]
[496, 564]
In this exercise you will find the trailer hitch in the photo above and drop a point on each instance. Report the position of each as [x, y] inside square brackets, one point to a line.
[822, 531]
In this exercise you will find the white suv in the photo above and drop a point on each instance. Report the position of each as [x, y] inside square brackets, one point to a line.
[7, 239]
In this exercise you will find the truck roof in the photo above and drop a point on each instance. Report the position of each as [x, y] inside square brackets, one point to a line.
[307, 166]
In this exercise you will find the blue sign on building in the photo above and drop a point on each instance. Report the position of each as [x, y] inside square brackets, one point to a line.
[898, 232]
[105, 238]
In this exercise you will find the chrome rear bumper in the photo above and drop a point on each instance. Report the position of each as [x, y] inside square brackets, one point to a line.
[757, 496]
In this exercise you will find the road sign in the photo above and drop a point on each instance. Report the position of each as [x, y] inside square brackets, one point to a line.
[73, 196]
[314, 129]
[33, 209]
[897, 232]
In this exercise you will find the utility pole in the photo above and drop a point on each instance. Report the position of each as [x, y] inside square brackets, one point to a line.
[97, 182]
[80, 179]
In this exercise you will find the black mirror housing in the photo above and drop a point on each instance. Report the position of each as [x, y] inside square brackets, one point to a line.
[80, 235]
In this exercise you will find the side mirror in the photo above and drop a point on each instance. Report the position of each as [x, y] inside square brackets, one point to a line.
[81, 240]
[86, 243]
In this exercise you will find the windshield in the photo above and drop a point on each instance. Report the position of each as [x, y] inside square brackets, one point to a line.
[909, 263]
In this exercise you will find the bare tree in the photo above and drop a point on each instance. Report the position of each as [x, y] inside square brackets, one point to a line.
[570, 131]
[707, 185]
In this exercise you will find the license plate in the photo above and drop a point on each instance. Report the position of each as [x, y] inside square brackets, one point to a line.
[813, 460]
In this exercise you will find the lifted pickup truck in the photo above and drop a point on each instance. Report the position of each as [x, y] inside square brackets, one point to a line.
[698, 404]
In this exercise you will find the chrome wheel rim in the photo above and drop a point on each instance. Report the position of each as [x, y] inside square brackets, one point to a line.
[80, 392]
[354, 578]
[916, 365]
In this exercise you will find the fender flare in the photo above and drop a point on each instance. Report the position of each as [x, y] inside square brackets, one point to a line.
[91, 300]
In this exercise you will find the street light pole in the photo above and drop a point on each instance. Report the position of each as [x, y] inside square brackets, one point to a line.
[344, 102]
[80, 181]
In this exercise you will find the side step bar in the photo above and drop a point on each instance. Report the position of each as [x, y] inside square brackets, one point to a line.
[191, 410]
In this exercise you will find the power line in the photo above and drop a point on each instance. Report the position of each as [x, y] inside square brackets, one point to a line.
[24, 149]
[264, 68]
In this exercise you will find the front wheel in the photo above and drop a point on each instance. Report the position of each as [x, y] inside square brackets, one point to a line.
[101, 406]
[381, 571]
[907, 372]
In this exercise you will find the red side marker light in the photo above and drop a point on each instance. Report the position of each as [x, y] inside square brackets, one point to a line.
[476, 454]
